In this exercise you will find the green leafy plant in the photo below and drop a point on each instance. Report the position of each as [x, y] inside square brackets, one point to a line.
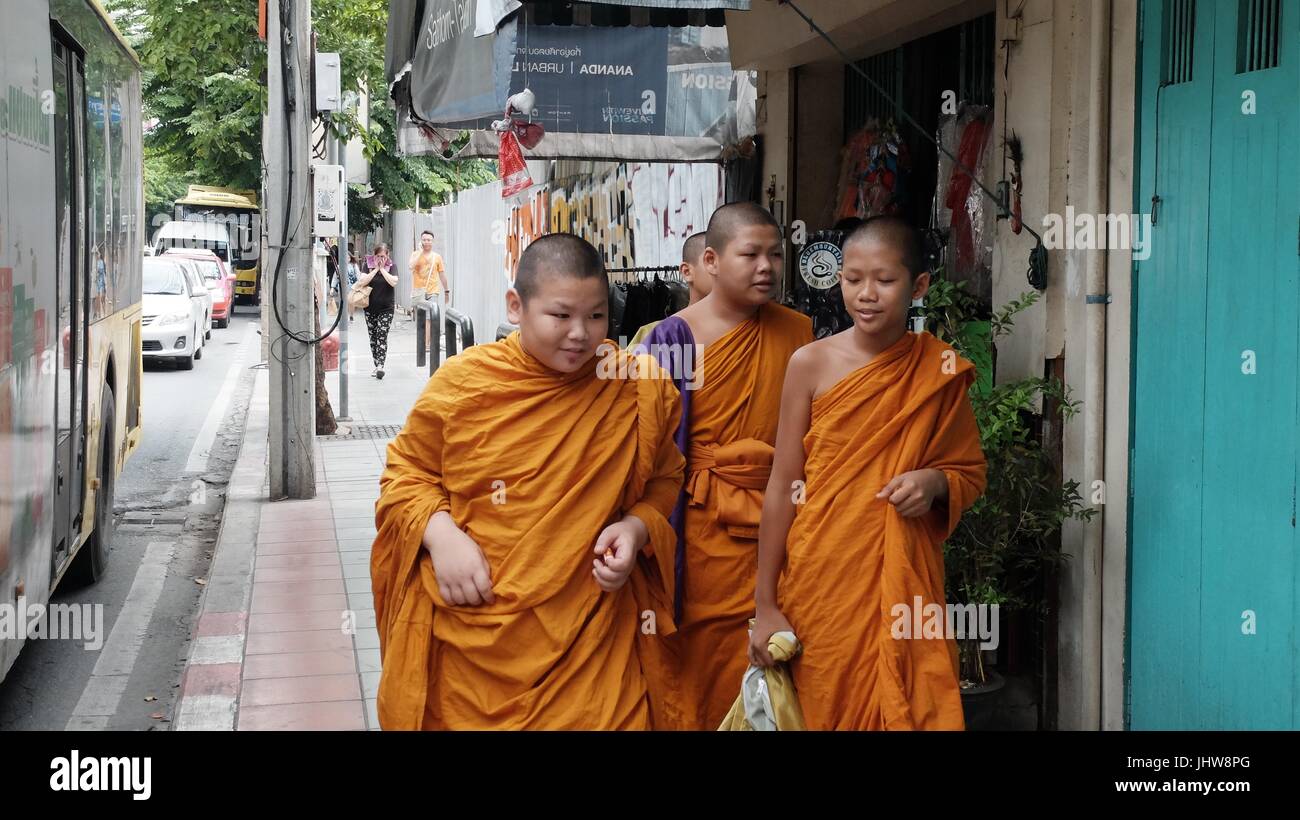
[1005, 544]
[204, 93]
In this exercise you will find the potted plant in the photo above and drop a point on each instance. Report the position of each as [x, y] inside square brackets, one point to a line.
[1006, 542]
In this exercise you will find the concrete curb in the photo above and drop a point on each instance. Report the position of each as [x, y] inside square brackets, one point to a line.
[210, 686]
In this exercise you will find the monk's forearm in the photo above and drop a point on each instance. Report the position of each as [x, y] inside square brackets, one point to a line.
[771, 558]
[774, 528]
[440, 525]
[938, 486]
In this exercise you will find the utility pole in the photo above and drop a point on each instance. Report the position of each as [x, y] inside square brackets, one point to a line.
[336, 154]
[288, 279]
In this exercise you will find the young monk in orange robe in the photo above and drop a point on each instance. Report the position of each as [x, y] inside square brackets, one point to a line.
[879, 451]
[729, 416]
[516, 500]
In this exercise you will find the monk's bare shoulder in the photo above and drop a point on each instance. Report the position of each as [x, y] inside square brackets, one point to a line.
[705, 325]
[836, 357]
[806, 366]
[688, 312]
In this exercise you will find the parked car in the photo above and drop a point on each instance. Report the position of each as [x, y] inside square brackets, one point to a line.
[176, 309]
[192, 270]
[219, 278]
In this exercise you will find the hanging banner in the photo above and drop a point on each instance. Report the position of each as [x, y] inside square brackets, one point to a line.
[622, 93]
[452, 76]
[588, 79]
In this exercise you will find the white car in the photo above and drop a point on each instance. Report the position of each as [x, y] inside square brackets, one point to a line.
[176, 311]
[194, 270]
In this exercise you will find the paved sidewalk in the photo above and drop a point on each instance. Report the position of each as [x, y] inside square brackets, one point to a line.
[286, 636]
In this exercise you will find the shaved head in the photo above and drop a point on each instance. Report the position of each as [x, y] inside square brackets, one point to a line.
[561, 254]
[897, 233]
[728, 220]
[693, 248]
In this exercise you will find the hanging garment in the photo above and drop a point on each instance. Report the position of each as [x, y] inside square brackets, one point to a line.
[681, 295]
[965, 233]
[874, 169]
[639, 309]
[617, 304]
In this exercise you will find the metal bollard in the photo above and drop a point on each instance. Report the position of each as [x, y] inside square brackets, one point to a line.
[457, 321]
[427, 318]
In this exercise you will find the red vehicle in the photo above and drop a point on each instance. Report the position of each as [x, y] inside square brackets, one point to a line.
[219, 278]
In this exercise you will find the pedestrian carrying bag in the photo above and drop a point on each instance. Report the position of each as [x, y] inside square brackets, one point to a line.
[359, 297]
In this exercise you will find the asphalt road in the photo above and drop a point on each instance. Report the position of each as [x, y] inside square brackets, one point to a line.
[170, 495]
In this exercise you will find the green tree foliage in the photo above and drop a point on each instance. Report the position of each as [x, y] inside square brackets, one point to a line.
[204, 84]
[356, 29]
[400, 183]
[163, 185]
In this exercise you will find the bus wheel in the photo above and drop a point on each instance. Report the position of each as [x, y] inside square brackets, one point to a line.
[92, 560]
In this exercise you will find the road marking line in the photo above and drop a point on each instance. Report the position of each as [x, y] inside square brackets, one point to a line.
[198, 460]
[103, 691]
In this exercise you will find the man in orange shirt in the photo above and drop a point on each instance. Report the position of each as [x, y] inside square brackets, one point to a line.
[428, 273]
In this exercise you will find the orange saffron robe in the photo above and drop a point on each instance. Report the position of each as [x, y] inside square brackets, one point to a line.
[532, 464]
[850, 557]
[731, 433]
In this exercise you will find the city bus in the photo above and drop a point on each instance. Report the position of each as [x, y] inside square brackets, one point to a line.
[71, 251]
[239, 210]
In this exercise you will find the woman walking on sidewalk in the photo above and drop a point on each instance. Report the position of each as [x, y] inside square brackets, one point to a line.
[379, 312]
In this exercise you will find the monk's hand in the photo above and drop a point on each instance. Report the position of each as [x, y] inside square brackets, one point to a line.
[915, 493]
[616, 550]
[459, 566]
[767, 622]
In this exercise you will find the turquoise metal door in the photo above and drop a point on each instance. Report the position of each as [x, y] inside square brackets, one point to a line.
[1213, 605]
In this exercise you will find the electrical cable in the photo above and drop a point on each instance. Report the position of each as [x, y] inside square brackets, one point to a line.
[287, 41]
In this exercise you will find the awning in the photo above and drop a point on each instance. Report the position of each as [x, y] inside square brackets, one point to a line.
[626, 80]
[703, 5]
[772, 36]
[438, 69]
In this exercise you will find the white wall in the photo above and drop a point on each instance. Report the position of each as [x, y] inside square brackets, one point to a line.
[775, 124]
[475, 257]
[1047, 92]
[662, 205]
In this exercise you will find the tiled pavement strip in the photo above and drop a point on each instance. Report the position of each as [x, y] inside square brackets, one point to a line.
[286, 634]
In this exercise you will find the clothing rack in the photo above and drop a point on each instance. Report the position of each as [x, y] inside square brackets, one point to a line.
[623, 274]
